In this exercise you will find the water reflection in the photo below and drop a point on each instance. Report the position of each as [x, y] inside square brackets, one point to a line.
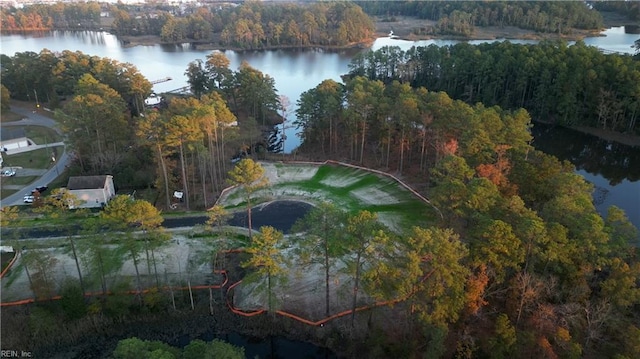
[613, 168]
[614, 161]
[615, 39]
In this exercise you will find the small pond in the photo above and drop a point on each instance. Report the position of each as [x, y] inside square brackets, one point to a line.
[280, 215]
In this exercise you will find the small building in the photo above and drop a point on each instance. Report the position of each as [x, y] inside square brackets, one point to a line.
[13, 139]
[93, 191]
[153, 101]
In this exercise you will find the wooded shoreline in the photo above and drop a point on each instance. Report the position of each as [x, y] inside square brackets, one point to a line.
[402, 29]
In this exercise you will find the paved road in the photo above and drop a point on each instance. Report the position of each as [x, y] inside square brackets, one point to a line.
[279, 214]
[36, 119]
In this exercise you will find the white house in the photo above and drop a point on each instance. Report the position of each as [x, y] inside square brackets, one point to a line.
[94, 191]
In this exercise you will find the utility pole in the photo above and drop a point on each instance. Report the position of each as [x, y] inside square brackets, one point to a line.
[37, 102]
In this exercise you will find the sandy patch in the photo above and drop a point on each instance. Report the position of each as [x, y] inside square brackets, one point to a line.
[342, 181]
[372, 195]
[296, 192]
[277, 173]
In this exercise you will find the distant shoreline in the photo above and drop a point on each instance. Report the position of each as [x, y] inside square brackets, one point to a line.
[607, 135]
[403, 29]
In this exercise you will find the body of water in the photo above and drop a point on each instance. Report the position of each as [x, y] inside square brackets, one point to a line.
[296, 71]
[613, 168]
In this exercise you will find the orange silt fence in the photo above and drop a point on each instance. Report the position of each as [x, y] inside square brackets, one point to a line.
[229, 303]
[6, 269]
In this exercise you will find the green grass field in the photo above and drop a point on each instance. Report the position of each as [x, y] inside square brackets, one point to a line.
[40, 158]
[348, 188]
[42, 135]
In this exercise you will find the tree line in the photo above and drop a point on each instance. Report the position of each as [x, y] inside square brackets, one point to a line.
[255, 25]
[400, 128]
[99, 104]
[50, 77]
[573, 85]
[131, 348]
[630, 9]
[460, 17]
[541, 268]
[59, 16]
[250, 25]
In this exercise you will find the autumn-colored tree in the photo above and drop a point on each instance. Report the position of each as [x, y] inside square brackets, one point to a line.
[181, 131]
[250, 177]
[151, 131]
[95, 124]
[8, 215]
[4, 98]
[267, 258]
[497, 172]
[217, 218]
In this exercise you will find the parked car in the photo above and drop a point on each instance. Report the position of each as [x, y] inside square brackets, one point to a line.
[28, 198]
[40, 189]
[8, 173]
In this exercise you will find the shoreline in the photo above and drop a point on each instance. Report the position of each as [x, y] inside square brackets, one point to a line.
[607, 135]
[403, 29]
[623, 138]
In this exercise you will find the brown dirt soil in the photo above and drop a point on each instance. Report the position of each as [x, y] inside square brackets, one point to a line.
[146, 40]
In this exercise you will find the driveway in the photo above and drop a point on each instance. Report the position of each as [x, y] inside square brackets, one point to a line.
[36, 119]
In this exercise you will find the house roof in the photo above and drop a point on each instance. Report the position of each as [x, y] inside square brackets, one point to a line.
[7, 134]
[87, 182]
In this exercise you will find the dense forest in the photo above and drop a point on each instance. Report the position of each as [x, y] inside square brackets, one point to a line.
[460, 17]
[570, 85]
[251, 25]
[59, 16]
[630, 9]
[541, 263]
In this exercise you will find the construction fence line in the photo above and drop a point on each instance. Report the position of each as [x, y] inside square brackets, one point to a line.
[229, 303]
[13, 260]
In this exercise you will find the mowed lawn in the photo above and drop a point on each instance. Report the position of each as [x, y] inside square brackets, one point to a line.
[348, 188]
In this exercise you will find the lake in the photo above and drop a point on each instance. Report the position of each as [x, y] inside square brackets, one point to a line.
[296, 71]
[613, 168]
